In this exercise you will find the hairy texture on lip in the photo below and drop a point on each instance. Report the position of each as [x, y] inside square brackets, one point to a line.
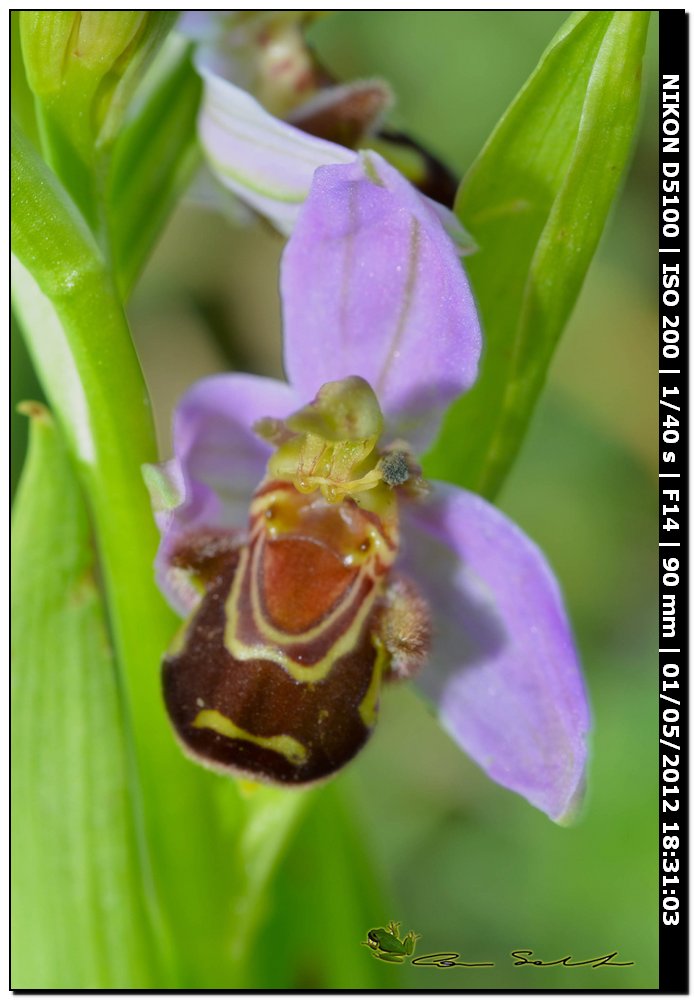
[404, 627]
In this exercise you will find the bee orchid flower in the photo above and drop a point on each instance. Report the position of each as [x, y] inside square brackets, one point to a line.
[313, 562]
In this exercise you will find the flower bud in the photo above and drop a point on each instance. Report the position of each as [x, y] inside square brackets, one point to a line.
[58, 45]
[45, 42]
[82, 65]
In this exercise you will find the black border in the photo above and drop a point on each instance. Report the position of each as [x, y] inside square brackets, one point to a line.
[673, 252]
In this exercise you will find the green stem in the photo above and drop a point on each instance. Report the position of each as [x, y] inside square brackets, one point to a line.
[81, 346]
[212, 855]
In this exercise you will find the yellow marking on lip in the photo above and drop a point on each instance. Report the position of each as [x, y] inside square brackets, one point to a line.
[287, 746]
[178, 643]
[368, 709]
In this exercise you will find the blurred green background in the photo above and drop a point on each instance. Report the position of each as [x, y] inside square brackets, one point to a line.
[413, 831]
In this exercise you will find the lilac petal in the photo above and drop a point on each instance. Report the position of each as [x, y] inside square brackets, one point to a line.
[219, 461]
[372, 285]
[265, 161]
[202, 25]
[504, 669]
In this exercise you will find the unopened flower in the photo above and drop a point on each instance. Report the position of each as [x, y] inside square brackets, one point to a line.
[84, 65]
[350, 571]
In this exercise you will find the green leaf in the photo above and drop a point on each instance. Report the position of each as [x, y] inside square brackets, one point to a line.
[535, 201]
[271, 816]
[79, 884]
[153, 158]
[328, 895]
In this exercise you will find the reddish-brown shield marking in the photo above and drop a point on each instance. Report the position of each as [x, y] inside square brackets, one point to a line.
[279, 673]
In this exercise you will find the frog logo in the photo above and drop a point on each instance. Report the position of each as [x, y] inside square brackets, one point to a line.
[387, 945]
